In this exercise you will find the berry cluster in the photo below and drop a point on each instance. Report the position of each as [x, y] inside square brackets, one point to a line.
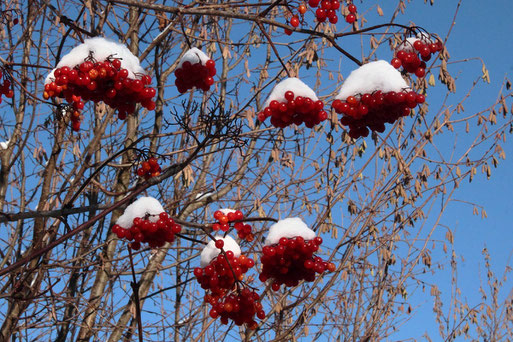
[240, 307]
[410, 53]
[374, 110]
[220, 275]
[100, 81]
[5, 87]
[295, 111]
[197, 75]
[351, 17]
[291, 261]
[149, 168]
[223, 224]
[155, 232]
[327, 10]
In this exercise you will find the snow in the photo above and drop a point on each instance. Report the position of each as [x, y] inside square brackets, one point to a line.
[425, 38]
[140, 208]
[211, 251]
[205, 195]
[101, 48]
[293, 84]
[226, 211]
[289, 228]
[194, 56]
[370, 77]
[4, 144]
[407, 45]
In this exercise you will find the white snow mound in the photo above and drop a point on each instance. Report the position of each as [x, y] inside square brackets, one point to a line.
[4, 144]
[293, 84]
[140, 208]
[100, 48]
[211, 251]
[226, 211]
[370, 77]
[194, 56]
[407, 45]
[289, 228]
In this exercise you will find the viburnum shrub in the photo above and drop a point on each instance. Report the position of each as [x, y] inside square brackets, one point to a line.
[100, 70]
[5, 87]
[222, 272]
[351, 16]
[293, 102]
[98, 81]
[326, 10]
[221, 275]
[149, 168]
[226, 218]
[372, 95]
[413, 53]
[195, 70]
[240, 306]
[372, 111]
[288, 255]
[292, 260]
[155, 230]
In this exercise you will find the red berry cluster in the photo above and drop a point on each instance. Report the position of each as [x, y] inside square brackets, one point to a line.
[351, 17]
[223, 224]
[156, 234]
[5, 87]
[196, 75]
[239, 307]
[374, 110]
[327, 10]
[291, 261]
[295, 111]
[223, 271]
[100, 81]
[149, 168]
[409, 56]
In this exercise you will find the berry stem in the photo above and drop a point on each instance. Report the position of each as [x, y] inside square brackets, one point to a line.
[135, 288]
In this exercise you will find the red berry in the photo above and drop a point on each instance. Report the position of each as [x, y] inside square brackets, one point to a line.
[294, 21]
[420, 72]
[302, 9]
[351, 18]
[351, 8]
[219, 244]
[321, 15]
[396, 63]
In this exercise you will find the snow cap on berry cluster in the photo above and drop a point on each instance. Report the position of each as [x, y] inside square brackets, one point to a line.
[194, 56]
[424, 38]
[211, 251]
[226, 211]
[100, 49]
[288, 228]
[407, 45]
[294, 85]
[140, 208]
[370, 77]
